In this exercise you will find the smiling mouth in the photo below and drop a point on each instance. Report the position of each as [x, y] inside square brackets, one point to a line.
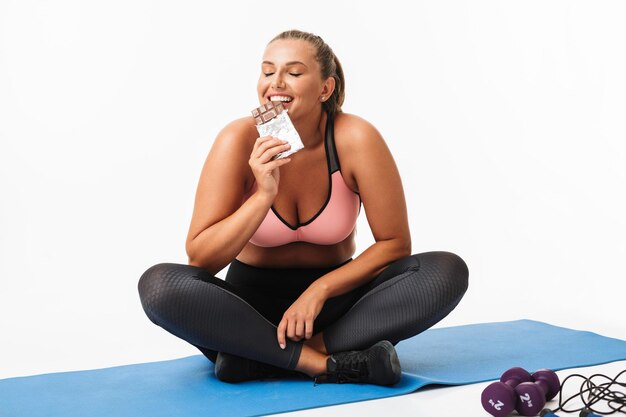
[281, 99]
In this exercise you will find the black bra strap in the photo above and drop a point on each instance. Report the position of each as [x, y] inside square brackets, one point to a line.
[330, 143]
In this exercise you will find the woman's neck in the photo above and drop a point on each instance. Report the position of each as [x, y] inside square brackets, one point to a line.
[311, 129]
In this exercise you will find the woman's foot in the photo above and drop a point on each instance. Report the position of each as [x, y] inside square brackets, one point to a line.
[377, 365]
[231, 368]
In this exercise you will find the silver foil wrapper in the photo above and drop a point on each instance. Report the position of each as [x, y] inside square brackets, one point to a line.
[272, 120]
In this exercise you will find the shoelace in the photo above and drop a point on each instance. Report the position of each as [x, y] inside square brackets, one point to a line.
[354, 368]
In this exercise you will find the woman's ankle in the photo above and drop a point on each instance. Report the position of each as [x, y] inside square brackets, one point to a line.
[311, 362]
[317, 343]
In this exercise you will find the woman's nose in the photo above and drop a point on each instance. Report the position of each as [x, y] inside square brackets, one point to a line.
[278, 81]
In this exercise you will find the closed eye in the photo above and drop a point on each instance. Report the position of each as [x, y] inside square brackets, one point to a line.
[267, 74]
[295, 75]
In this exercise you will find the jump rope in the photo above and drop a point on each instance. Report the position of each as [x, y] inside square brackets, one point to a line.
[597, 388]
[518, 390]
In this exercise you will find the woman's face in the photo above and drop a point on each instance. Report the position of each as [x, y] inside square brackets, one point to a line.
[290, 74]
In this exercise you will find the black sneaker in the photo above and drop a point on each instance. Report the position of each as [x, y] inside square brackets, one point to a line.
[231, 368]
[377, 365]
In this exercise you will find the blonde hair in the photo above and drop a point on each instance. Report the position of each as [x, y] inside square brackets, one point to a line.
[330, 66]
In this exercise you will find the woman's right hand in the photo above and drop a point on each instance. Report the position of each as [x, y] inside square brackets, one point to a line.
[265, 169]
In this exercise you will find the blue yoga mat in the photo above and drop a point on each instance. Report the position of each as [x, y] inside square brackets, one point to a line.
[187, 386]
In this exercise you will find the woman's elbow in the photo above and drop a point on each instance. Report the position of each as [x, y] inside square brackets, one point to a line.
[193, 255]
[396, 247]
[193, 262]
[211, 265]
[403, 247]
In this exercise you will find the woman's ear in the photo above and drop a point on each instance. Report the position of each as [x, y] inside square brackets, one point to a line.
[327, 89]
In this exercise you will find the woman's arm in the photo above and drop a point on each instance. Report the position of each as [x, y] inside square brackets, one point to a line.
[221, 225]
[380, 187]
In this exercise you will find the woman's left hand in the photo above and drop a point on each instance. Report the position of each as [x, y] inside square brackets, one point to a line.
[297, 322]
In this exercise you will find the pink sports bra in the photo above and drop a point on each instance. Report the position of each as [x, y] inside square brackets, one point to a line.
[333, 222]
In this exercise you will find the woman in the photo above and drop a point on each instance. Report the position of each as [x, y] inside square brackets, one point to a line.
[293, 298]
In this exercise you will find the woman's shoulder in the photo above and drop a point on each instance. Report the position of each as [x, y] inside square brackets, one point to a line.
[356, 141]
[239, 131]
[234, 143]
[352, 131]
[358, 127]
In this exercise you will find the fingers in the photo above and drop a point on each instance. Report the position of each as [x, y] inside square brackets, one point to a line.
[304, 330]
[277, 163]
[291, 330]
[266, 147]
[299, 330]
[308, 332]
[297, 324]
[295, 330]
[287, 328]
[280, 333]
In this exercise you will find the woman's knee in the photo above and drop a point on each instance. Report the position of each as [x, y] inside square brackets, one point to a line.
[159, 284]
[449, 267]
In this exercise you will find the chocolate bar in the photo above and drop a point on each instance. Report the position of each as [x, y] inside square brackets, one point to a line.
[267, 112]
[272, 120]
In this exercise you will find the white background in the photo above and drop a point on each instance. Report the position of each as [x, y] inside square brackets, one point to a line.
[506, 120]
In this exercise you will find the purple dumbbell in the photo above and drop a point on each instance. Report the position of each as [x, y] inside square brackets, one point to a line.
[499, 398]
[532, 396]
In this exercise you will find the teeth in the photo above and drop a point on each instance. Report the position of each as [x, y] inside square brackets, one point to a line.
[280, 98]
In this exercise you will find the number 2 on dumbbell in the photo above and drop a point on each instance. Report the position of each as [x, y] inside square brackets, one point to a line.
[534, 395]
[501, 398]
[497, 406]
[526, 398]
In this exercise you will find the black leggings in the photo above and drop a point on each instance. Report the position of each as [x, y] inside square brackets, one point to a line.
[240, 315]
